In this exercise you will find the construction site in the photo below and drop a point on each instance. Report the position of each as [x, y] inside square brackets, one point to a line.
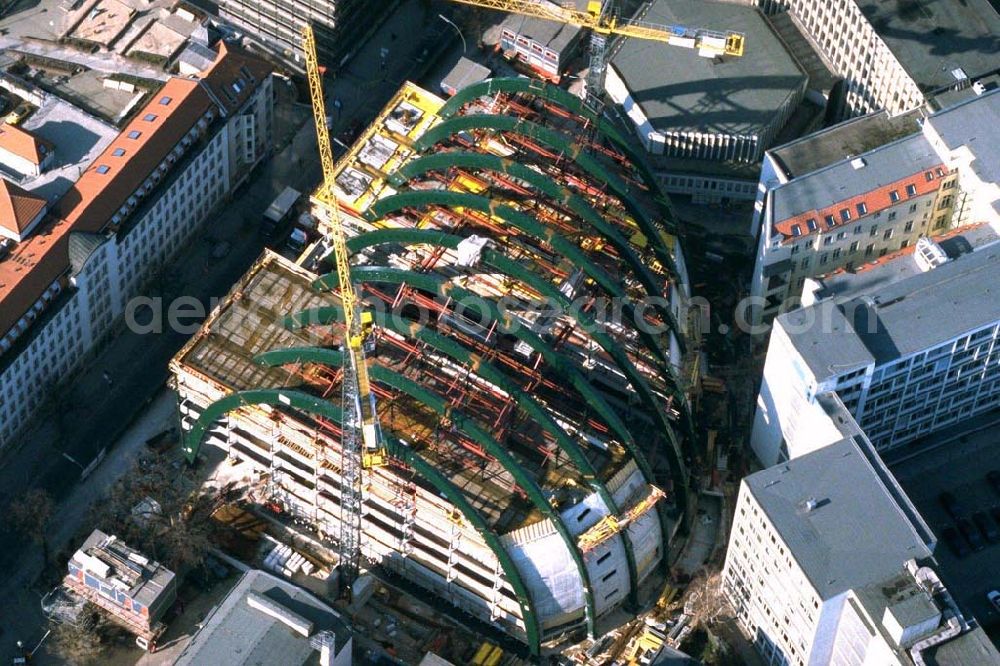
[537, 441]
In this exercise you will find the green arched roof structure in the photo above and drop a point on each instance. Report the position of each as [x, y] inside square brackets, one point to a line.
[312, 405]
[469, 427]
[549, 93]
[559, 243]
[491, 373]
[568, 149]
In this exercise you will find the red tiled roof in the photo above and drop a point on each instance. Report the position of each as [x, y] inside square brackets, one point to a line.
[18, 207]
[116, 174]
[874, 201]
[233, 76]
[23, 143]
[88, 206]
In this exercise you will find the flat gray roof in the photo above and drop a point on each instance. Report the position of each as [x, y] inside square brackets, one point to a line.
[900, 318]
[840, 180]
[930, 38]
[679, 90]
[975, 124]
[236, 633]
[856, 533]
[844, 140]
[464, 73]
[557, 36]
[902, 265]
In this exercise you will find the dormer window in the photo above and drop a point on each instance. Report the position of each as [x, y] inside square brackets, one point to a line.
[164, 101]
[149, 117]
[118, 152]
[134, 134]
[103, 168]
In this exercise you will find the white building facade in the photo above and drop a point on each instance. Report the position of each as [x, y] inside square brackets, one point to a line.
[111, 258]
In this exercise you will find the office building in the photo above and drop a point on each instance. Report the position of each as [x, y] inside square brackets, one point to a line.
[684, 105]
[544, 47]
[909, 346]
[71, 275]
[896, 57]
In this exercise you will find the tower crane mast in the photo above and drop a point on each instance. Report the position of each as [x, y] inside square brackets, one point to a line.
[362, 445]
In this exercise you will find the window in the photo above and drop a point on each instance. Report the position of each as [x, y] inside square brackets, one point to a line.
[149, 117]
[854, 246]
[103, 168]
[911, 190]
[929, 176]
[118, 152]
[796, 230]
[940, 172]
[836, 253]
[823, 258]
[134, 134]
[811, 223]
[164, 101]
[869, 250]
[795, 249]
[909, 226]
[874, 230]
[894, 196]
[892, 216]
[805, 263]
[845, 215]
[827, 240]
[913, 208]
[862, 208]
[842, 235]
[904, 244]
[830, 221]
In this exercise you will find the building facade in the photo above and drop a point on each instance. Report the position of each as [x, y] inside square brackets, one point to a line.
[685, 105]
[846, 196]
[132, 209]
[545, 47]
[278, 25]
[906, 356]
[872, 47]
[829, 562]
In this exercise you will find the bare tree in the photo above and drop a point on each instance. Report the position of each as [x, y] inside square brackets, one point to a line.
[30, 514]
[84, 641]
[160, 511]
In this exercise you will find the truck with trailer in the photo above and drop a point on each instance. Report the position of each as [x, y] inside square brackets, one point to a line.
[279, 212]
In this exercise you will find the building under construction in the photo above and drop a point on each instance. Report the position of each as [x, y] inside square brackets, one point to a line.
[528, 353]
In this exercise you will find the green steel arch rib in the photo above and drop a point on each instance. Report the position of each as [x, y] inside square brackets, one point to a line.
[565, 145]
[470, 428]
[488, 371]
[437, 285]
[515, 270]
[545, 185]
[517, 219]
[311, 404]
[557, 95]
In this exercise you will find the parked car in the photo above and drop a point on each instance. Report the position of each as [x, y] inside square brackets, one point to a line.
[993, 478]
[986, 526]
[22, 111]
[971, 534]
[955, 542]
[994, 597]
[951, 505]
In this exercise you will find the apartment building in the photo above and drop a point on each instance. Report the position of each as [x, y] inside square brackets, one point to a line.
[278, 25]
[844, 197]
[830, 563]
[909, 346]
[896, 59]
[63, 287]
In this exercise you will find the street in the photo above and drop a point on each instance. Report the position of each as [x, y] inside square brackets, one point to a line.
[118, 399]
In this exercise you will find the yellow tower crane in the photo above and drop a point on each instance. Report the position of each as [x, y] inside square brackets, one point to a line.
[362, 445]
[602, 19]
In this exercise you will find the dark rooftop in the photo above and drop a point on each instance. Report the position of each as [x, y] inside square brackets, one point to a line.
[846, 139]
[680, 90]
[931, 38]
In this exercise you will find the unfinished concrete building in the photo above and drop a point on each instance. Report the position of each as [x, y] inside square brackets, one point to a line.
[539, 442]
